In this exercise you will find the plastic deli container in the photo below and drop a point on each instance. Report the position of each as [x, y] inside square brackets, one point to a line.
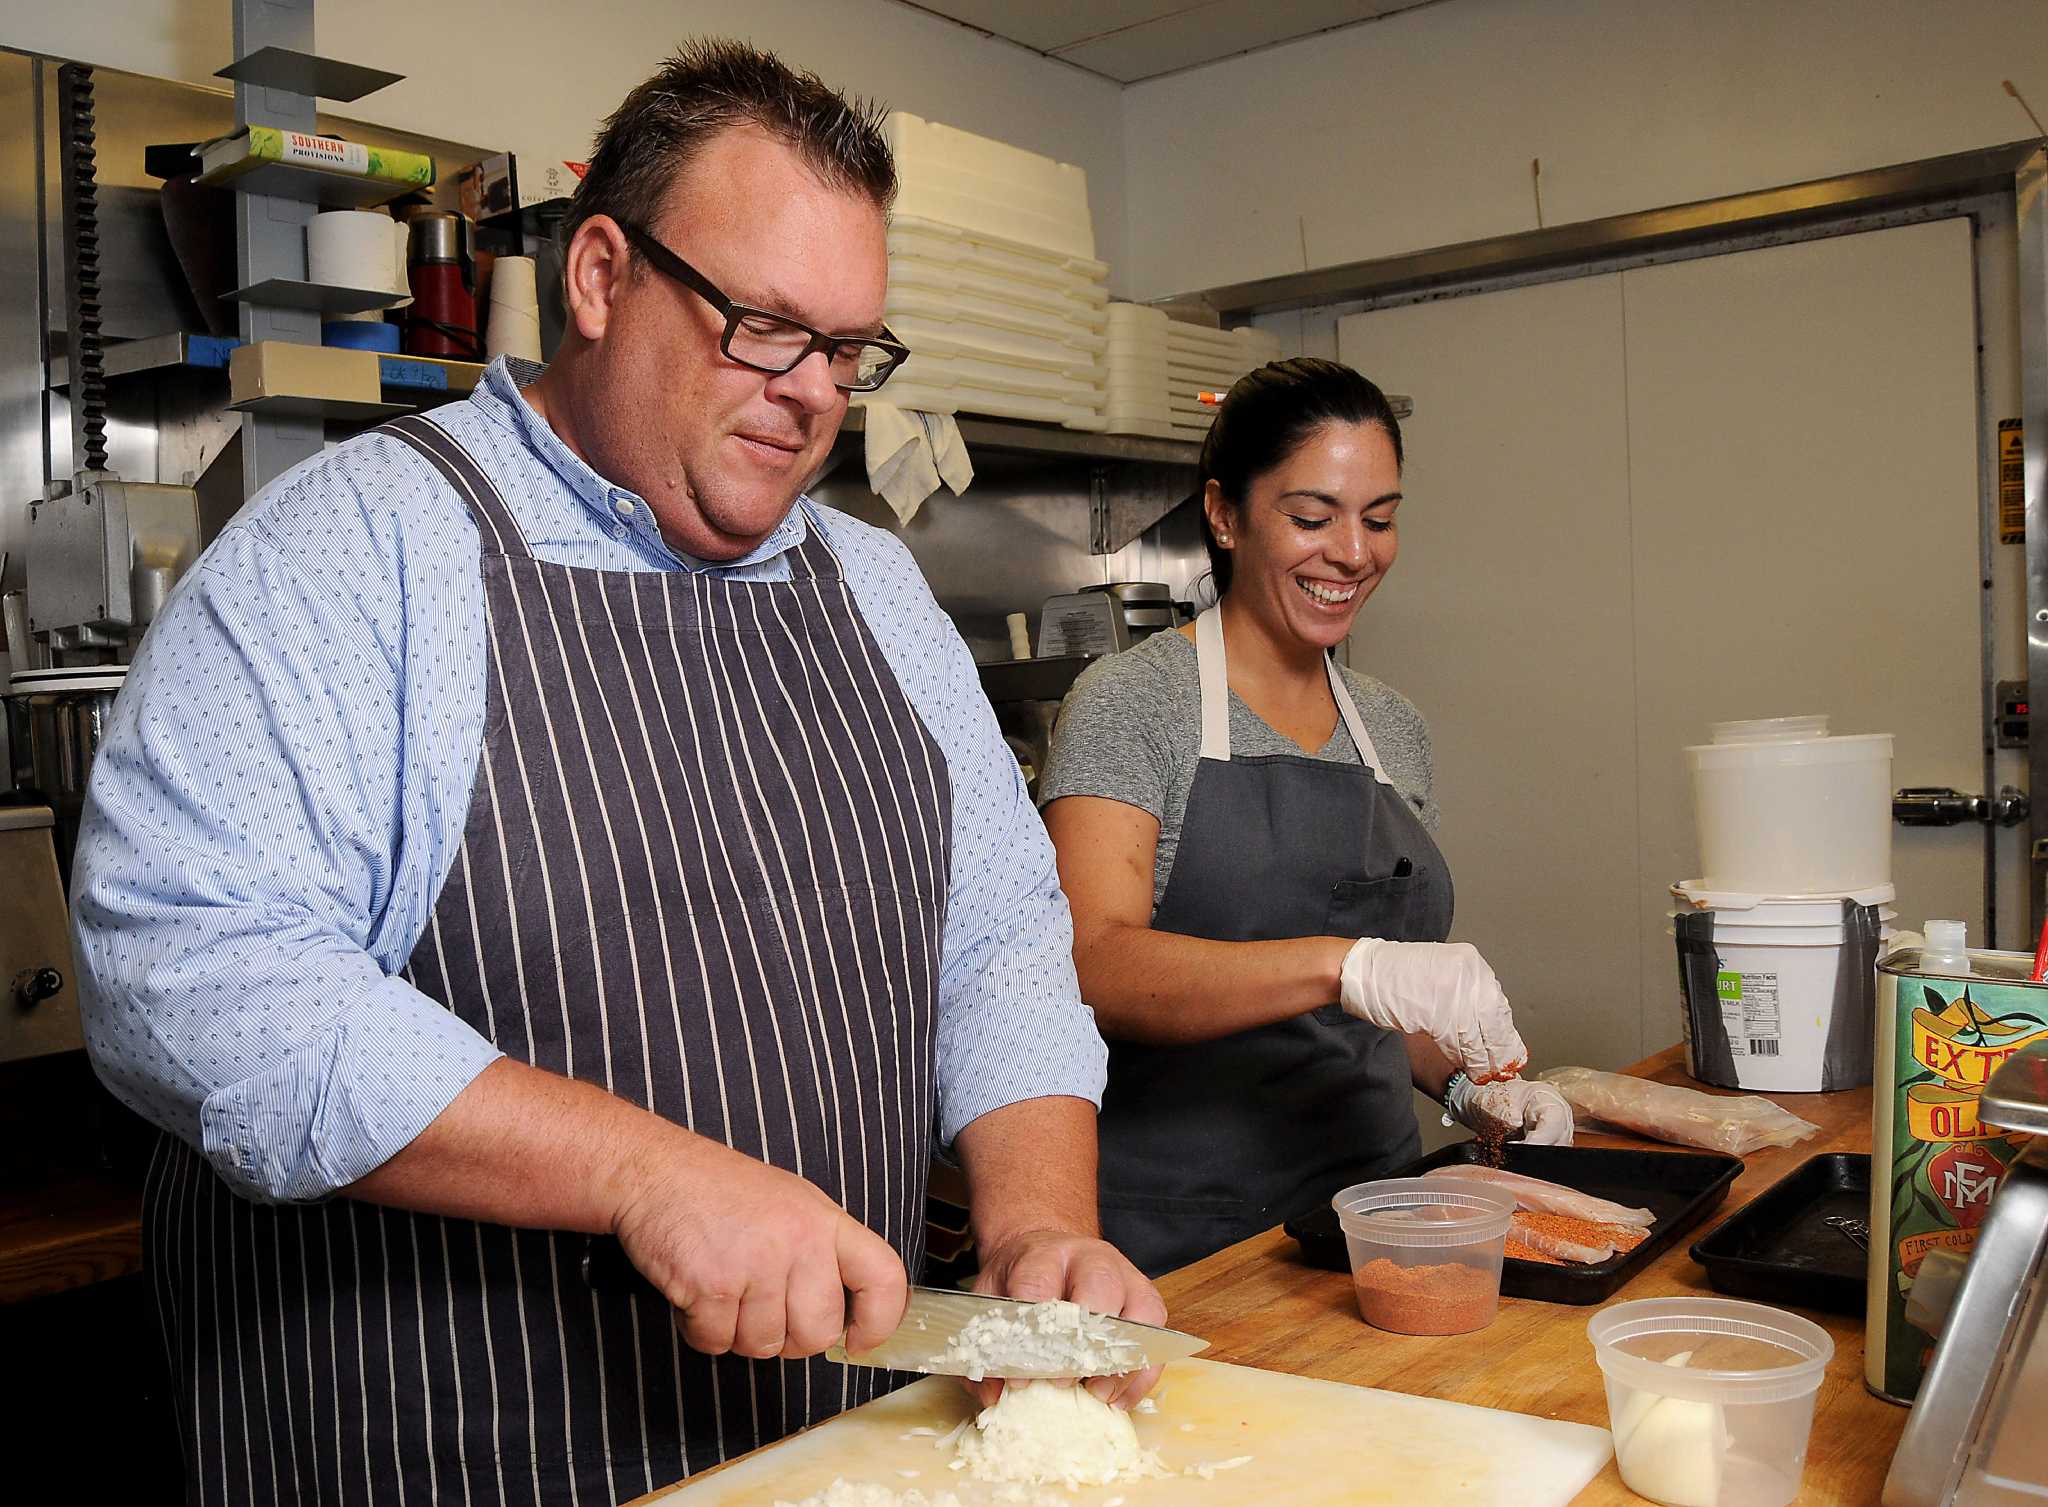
[1425, 1252]
[1710, 1400]
[1784, 809]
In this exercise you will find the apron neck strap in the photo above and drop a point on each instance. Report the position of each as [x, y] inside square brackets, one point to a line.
[1212, 664]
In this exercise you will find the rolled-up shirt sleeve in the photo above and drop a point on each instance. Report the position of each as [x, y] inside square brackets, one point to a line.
[240, 934]
[1012, 1025]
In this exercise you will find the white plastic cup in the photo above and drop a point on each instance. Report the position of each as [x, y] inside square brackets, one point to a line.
[1425, 1252]
[1784, 809]
[1708, 1436]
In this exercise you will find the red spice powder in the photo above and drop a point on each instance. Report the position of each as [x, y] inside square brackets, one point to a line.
[1450, 1299]
[1623, 1237]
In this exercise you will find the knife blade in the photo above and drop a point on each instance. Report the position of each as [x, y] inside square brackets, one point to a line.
[934, 1316]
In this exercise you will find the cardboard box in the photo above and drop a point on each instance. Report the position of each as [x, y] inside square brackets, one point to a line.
[514, 181]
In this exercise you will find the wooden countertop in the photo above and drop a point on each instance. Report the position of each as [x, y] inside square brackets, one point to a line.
[1259, 1305]
[73, 1229]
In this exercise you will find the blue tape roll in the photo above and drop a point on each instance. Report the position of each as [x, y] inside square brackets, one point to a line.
[361, 334]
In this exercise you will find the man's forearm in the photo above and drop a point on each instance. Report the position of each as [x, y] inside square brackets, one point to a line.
[522, 1146]
[1031, 1166]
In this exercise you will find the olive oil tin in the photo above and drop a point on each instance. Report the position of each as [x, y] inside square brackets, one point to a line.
[1933, 1167]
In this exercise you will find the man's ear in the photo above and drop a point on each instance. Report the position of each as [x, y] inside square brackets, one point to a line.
[593, 273]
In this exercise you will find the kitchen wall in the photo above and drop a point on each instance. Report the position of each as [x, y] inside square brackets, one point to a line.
[526, 70]
[1418, 131]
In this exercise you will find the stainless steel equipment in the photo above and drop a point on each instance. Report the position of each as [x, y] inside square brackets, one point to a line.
[55, 720]
[38, 1003]
[1975, 1438]
[102, 555]
[1104, 619]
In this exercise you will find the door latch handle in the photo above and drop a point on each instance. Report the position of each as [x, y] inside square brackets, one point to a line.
[1941, 806]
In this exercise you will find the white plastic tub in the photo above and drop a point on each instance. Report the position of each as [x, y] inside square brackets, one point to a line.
[1729, 1431]
[1768, 1020]
[1784, 809]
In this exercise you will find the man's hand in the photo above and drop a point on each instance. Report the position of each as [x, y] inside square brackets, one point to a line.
[755, 1260]
[1041, 1265]
[759, 1262]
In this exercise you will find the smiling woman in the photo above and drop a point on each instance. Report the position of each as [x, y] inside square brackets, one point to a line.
[1243, 832]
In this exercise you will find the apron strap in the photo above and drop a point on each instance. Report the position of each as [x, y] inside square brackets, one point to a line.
[814, 559]
[494, 520]
[1211, 663]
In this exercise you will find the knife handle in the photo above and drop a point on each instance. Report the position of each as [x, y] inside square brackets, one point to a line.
[608, 1270]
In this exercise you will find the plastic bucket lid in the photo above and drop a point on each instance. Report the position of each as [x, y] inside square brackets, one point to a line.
[1821, 908]
[1705, 1318]
[1423, 1211]
[1769, 729]
[1857, 748]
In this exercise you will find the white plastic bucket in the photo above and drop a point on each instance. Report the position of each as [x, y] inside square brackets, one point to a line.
[1784, 809]
[1778, 964]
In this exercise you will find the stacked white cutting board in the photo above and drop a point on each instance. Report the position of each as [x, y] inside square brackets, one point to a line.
[1310, 1443]
[1160, 367]
[993, 281]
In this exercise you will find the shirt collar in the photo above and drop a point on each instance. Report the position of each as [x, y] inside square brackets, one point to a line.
[614, 508]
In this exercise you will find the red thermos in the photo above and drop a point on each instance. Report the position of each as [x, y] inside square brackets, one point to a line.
[442, 275]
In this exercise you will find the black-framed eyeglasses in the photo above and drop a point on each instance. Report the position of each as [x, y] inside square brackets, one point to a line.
[776, 343]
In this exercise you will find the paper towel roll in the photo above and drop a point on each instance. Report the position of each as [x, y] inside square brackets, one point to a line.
[513, 328]
[357, 248]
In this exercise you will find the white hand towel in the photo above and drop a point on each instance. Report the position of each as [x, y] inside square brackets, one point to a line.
[910, 454]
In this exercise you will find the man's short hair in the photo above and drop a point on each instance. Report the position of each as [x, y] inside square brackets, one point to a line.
[710, 86]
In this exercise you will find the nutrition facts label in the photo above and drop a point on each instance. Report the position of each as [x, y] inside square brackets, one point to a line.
[1749, 1012]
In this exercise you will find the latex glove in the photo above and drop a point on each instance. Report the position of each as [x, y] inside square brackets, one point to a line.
[1536, 1109]
[1445, 991]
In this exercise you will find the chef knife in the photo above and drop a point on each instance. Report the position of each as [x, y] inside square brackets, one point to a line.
[935, 1315]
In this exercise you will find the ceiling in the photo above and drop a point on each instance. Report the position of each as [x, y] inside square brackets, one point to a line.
[1129, 40]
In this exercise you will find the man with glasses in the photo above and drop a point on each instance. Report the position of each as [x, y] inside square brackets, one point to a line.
[533, 823]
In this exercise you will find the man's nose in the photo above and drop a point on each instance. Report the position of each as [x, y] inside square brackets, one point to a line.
[809, 382]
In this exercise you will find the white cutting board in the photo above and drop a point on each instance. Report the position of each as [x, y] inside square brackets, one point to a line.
[1311, 1442]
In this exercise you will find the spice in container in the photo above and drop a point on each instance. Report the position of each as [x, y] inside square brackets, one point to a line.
[1451, 1298]
[1425, 1253]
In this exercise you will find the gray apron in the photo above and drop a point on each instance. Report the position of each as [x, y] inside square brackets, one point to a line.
[1204, 1145]
[705, 867]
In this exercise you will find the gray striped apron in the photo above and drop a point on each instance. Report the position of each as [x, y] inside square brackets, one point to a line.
[704, 866]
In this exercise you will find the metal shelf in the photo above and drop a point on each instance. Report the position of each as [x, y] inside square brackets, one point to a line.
[311, 185]
[128, 357]
[323, 298]
[296, 72]
[1047, 679]
[984, 435]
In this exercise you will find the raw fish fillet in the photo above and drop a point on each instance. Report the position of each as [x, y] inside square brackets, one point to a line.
[1557, 1245]
[1540, 1197]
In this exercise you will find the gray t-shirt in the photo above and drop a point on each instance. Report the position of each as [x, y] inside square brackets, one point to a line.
[1131, 731]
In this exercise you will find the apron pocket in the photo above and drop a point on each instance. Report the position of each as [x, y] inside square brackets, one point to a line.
[1370, 908]
[1158, 1233]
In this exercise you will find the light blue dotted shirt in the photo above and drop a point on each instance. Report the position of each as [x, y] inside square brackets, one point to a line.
[284, 783]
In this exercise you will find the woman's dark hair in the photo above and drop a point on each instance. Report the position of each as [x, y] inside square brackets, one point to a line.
[708, 87]
[1268, 415]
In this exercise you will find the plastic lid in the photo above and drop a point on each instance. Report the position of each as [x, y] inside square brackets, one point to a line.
[1423, 1211]
[1769, 729]
[1948, 936]
[73, 678]
[1703, 1319]
[1694, 892]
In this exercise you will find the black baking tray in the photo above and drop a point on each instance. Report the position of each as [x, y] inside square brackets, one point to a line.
[1780, 1247]
[1680, 1188]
